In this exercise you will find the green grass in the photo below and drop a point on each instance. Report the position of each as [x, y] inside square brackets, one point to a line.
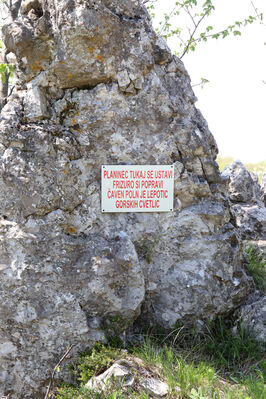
[95, 361]
[199, 379]
[111, 392]
[212, 363]
[257, 267]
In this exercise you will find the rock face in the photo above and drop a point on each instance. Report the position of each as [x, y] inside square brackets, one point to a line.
[247, 198]
[253, 318]
[98, 86]
[263, 188]
[241, 187]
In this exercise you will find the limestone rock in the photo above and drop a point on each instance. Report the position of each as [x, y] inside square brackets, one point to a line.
[251, 218]
[48, 304]
[154, 386]
[253, 318]
[98, 86]
[263, 189]
[129, 373]
[120, 372]
[241, 186]
[247, 201]
[248, 208]
[35, 107]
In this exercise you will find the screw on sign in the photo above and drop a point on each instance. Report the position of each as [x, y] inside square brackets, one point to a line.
[137, 188]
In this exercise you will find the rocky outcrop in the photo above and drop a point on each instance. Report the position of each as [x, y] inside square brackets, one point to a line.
[253, 318]
[247, 197]
[98, 86]
[247, 203]
[241, 185]
[263, 188]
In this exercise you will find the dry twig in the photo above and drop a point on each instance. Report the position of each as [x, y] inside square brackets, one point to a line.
[55, 370]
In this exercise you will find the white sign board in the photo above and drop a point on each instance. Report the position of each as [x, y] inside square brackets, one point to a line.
[137, 188]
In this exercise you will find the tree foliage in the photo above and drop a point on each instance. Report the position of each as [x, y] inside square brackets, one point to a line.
[196, 13]
[6, 70]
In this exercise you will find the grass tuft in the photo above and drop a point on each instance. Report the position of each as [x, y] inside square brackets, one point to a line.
[95, 361]
[257, 267]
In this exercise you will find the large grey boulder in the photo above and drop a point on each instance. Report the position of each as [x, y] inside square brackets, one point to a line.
[263, 188]
[253, 318]
[251, 219]
[243, 187]
[247, 201]
[247, 205]
[98, 86]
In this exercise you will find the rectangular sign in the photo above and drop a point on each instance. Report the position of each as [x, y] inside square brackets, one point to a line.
[137, 188]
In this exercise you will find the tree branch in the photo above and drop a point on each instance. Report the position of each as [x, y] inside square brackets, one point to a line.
[171, 13]
[148, 1]
[191, 16]
[55, 370]
[190, 40]
[259, 16]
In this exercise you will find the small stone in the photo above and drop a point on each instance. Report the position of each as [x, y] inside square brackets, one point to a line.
[171, 67]
[130, 88]
[119, 372]
[155, 386]
[35, 103]
[123, 79]
[138, 83]
[137, 80]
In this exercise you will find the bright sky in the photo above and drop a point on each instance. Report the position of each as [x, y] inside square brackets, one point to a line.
[234, 102]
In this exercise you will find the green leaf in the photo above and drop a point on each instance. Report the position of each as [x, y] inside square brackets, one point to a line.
[225, 33]
[197, 11]
[203, 37]
[204, 80]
